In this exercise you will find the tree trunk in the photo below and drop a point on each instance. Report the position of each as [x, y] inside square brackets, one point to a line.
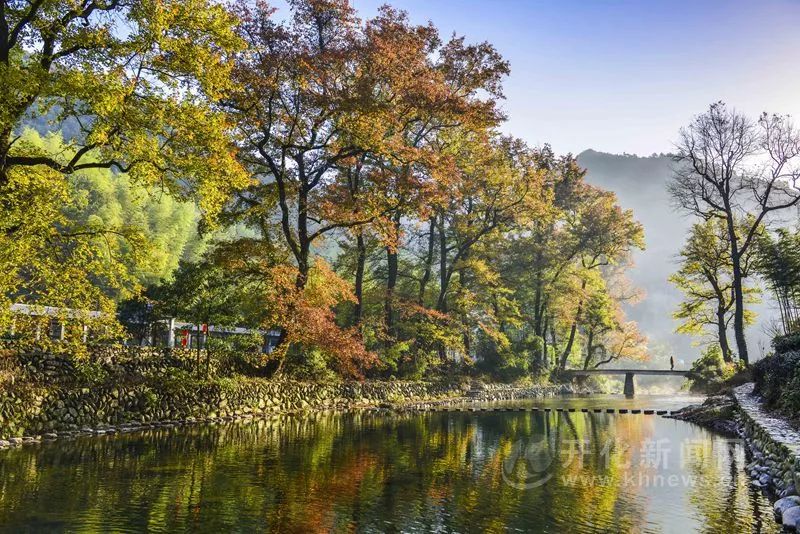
[738, 292]
[538, 308]
[572, 331]
[738, 315]
[543, 363]
[426, 275]
[444, 279]
[553, 339]
[570, 341]
[5, 147]
[208, 351]
[392, 263]
[361, 259]
[723, 335]
[589, 350]
[463, 277]
[391, 283]
[303, 242]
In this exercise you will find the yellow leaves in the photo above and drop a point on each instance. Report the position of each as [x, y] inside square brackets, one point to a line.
[325, 288]
[705, 278]
[144, 96]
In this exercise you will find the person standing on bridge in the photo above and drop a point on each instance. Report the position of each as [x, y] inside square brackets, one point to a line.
[671, 363]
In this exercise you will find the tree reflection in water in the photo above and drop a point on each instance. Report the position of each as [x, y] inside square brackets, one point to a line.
[377, 472]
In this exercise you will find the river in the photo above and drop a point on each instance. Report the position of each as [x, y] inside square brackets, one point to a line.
[519, 471]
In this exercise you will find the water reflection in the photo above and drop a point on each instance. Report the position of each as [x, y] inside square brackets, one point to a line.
[456, 472]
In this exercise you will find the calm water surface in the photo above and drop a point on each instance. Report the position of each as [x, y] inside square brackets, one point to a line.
[366, 472]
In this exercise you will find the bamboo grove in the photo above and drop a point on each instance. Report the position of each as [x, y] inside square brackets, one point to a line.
[353, 189]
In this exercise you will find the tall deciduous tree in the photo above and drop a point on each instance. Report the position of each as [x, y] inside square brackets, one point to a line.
[298, 96]
[734, 169]
[496, 186]
[602, 233]
[337, 119]
[705, 278]
[609, 336]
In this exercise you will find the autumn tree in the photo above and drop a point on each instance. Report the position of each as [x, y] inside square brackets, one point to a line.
[306, 317]
[456, 88]
[496, 189]
[551, 267]
[602, 233]
[298, 92]
[496, 184]
[337, 116]
[733, 168]
[541, 259]
[609, 335]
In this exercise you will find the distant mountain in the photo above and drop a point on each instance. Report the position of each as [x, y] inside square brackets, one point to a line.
[641, 185]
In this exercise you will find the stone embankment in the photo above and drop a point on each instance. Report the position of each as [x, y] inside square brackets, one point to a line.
[772, 442]
[129, 390]
[30, 414]
[719, 413]
[480, 393]
[775, 446]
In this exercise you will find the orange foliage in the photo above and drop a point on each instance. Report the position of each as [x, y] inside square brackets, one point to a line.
[306, 316]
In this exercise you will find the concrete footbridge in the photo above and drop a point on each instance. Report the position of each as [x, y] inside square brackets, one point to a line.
[629, 374]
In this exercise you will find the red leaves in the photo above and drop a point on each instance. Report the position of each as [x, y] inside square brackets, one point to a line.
[306, 315]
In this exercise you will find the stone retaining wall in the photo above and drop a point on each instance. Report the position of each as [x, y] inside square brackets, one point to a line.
[131, 387]
[776, 453]
[115, 361]
[37, 411]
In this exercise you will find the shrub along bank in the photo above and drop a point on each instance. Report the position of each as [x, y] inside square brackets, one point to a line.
[777, 377]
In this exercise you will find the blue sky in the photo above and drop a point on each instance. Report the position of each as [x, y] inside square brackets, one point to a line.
[624, 76]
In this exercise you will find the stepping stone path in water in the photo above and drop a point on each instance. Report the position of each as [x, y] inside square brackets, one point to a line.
[436, 407]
